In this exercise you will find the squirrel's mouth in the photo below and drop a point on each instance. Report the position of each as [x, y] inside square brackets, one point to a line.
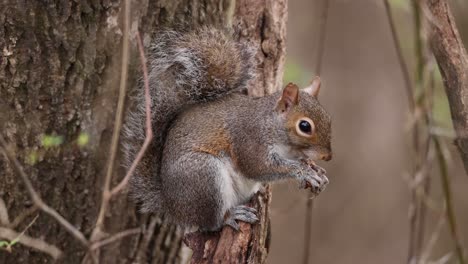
[314, 155]
[310, 154]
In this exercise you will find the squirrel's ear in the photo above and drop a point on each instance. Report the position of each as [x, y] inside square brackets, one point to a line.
[314, 88]
[289, 98]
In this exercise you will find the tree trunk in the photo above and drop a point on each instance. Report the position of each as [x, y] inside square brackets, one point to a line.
[59, 76]
[452, 59]
[264, 24]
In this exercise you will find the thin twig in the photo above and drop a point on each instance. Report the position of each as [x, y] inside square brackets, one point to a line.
[322, 37]
[420, 63]
[4, 219]
[24, 231]
[418, 110]
[115, 238]
[146, 238]
[106, 194]
[443, 166]
[414, 186]
[318, 68]
[428, 15]
[444, 259]
[37, 199]
[448, 201]
[29, 211]
[401, 59]
[433, 239]
[418, 225]
[149, 131]
[28, 241]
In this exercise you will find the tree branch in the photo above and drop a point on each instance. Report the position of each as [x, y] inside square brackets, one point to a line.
[106, 193]
[448, 201]
[28, 241]
[452, 59]
[148, 131]
[4, 218]
[318, 69]
[36, 198]
[401, 59]
[115, 238]
[420, 119]
[24, 214]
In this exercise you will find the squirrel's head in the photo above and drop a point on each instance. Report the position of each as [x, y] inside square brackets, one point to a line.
[307, 124]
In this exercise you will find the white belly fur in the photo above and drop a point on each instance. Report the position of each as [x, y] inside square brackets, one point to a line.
[234, 187]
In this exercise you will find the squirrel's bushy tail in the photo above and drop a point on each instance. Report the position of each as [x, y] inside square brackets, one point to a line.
[185, 68]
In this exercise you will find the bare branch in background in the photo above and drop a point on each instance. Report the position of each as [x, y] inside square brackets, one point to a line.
[318, 69]
[115, 238]
[401, 59]
[452, 59]
[148, 131]
[420, 119]
[4, 219]
[444, 259]
[28, 241]
[448, 201]
[433, 239]
[424, 104]
[19, 219]
[38, 244]
[106, 193]
[420, 130]
[35, 196]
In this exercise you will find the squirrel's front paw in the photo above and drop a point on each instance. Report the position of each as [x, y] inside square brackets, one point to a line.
[242, 213]
[316, 180]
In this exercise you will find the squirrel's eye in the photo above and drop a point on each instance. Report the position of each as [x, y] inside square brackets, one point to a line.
[305, 127]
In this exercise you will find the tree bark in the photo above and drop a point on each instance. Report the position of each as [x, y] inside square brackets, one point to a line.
[452, 59]
[59, 74]
[263, 23]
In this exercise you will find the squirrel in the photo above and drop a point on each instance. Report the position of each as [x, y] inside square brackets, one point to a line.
[214, 145]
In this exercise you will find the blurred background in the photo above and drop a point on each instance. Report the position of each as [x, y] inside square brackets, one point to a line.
[363, 215]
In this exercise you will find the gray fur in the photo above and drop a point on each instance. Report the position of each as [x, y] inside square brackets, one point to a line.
[214, 147]
[253, 127]
[179, 76]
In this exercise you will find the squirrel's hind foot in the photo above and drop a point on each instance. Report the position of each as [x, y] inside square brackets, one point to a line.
[242, 213]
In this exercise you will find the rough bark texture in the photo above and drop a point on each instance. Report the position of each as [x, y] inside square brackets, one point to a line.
[59, 74]
[249, 245]
[263, 23]
[452, 59]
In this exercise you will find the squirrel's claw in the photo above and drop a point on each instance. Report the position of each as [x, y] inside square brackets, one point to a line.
[232, 223]
[321, 171]
[242, 213]
[315, 167]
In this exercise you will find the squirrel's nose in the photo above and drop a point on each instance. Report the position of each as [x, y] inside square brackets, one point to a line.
[326, 157]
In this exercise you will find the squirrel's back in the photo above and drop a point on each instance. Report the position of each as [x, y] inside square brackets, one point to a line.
[185, 68]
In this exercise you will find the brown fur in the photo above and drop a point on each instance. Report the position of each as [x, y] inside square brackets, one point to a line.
[218, 144]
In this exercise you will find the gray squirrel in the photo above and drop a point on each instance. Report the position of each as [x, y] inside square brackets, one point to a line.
[214, 145]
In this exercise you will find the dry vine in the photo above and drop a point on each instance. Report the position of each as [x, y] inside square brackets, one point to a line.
[422, 122]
